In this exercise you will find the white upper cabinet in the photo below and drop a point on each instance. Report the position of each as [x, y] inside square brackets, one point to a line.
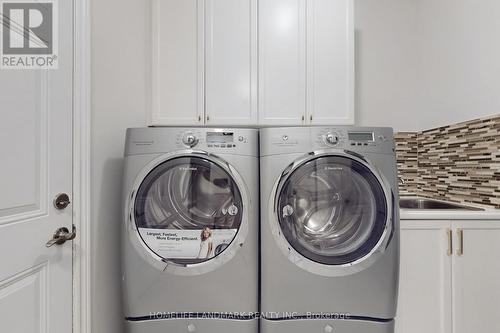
[251, 62]
[177, 63]
[330, 62]
[231, 62]
[306, 61]
[282, 62]
[204, 62]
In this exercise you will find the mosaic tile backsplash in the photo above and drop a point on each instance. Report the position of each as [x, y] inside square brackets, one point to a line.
[459, 163]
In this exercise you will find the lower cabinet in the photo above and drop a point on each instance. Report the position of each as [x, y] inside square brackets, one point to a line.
[476, 277]
[424, 303]
[449, 277]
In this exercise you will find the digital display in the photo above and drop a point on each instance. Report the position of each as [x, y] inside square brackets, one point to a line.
[360, 136]
[220, 137]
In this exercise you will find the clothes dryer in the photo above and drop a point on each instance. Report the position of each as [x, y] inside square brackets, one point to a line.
[329, 230]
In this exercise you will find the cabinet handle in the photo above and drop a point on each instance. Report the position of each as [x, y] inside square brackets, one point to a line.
[303, 117]
[208, 118]
[311, 118]
[199, 118]
[460, 234]
[450, 242]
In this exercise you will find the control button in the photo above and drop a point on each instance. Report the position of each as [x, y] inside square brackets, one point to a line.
[328, 329]
[191, 328]
[331, 139]
[285, 137]
[241, 139]
[365, 144]
[190, 140]
[353, 143]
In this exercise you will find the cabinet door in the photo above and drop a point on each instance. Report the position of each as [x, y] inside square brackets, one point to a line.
[177, 63]
[476, 277]
[424, 303]
[231, 62]
[330, 62]
[282, 66]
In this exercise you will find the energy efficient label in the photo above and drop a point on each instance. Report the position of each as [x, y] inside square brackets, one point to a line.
[187, 244]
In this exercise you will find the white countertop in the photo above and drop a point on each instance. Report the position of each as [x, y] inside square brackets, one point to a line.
[450, 214]
[437, 214]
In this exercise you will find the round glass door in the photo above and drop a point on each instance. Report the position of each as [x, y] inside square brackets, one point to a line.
[188, 210]
[332, 210]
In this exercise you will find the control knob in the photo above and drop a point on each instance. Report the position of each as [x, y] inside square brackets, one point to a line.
[331, 139]
[189, 140]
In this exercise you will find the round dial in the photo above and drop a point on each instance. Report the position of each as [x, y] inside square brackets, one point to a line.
[331, 138]
[190, 140]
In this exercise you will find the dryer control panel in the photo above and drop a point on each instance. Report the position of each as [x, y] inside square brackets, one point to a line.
[353, 138]
[300, 139]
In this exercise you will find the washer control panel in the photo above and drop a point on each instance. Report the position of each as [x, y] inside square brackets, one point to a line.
[218, 140]
[362, 138]
[356, 138]
[157, 140]
[223, 139]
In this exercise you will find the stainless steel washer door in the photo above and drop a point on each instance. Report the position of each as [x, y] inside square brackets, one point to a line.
[188, 210]
[332, 210]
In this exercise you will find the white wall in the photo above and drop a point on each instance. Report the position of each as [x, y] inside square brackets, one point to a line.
[386, 78]
[459, 60]
[426, 63]
[118, 88]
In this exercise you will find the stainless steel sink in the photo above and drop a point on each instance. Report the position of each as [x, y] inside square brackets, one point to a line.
[424, 203]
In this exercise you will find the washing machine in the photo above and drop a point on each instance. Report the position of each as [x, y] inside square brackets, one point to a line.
[329, 230]
[190, 230]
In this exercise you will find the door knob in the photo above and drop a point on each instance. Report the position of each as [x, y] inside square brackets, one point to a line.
[61, 201]
[61, 236]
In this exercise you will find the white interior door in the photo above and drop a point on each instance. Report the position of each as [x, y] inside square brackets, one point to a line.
[424, 303]
[476, 275]
[35, 165]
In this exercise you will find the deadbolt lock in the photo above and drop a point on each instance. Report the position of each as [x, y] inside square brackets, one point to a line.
[61, 201]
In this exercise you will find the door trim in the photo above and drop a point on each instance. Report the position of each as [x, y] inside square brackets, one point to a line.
[81, 167]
